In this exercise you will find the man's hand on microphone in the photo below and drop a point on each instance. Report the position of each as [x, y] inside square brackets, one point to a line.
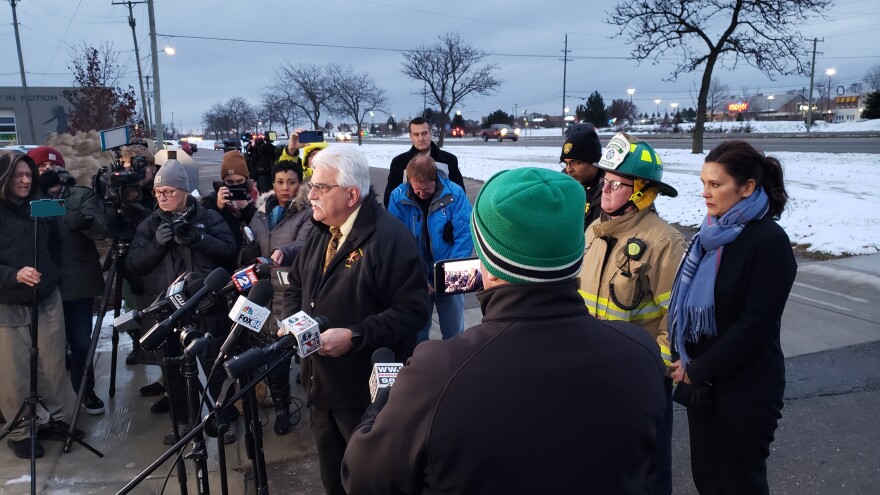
[335, 342]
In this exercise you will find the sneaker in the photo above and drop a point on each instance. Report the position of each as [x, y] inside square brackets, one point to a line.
[92, 404]
[22, 448]
[182, 428]
[58, 430]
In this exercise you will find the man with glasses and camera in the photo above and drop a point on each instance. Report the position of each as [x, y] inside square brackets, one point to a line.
[361, 269]
[181, 236]
[580, 152]
[630, 262]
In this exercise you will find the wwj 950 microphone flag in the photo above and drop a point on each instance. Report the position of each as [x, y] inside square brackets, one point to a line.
[385, 371]
[213, 283]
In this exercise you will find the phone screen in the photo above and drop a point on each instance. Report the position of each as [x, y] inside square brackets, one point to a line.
[238, 193]
[457, 276]
[311, 136]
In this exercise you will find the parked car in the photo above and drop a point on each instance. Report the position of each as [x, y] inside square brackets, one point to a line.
[218, 144]
[500, 132]
[457, 132]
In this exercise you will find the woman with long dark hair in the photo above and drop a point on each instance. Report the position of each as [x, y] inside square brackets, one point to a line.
[725, 318]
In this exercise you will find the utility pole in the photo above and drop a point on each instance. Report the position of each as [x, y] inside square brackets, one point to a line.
[160, 131]
[24, 88]
[149, 101]
[565, 61]
[810, 95]
[137, 59]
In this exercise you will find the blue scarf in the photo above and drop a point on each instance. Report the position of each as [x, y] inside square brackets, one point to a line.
[275, 216]
[692, 307]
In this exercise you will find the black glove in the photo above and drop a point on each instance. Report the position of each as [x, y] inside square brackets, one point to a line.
[448, 235]
[85, 221]
[164, 234]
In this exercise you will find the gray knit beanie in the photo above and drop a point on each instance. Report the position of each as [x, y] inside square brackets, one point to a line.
[172, 174]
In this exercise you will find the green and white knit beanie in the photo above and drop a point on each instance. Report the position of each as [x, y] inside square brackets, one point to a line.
[528, 225]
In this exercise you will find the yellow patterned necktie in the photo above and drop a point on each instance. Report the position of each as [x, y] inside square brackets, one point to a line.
[332, 246]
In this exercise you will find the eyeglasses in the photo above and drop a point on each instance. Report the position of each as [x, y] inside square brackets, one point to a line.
[574, 163]
[168, 193]
[612, 184]
[323, 188]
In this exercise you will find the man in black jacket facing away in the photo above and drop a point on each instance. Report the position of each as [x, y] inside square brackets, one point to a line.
[360, 268]
[453, 422]
[420, 135]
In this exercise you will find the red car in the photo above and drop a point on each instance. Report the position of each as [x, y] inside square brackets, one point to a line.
[457, 132]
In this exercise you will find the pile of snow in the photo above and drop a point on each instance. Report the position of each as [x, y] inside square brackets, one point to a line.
[833, 207]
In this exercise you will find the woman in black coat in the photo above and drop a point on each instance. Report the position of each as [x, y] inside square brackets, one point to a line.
[725, 318]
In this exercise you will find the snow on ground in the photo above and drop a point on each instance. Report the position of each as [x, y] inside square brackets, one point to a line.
[834, 196]
[754, 126]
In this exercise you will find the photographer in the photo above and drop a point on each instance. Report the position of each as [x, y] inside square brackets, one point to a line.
[181, 236]
[260, 158]
[22, 279]
[235, 182]
[81, 279]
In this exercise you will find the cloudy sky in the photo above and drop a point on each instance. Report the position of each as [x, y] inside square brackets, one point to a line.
[525, 40]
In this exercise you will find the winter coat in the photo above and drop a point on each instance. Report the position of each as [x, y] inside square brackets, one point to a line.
[374, 286]
[81, 274]
[643, 297]
[449, 205]
[454, 421]
[160, 265]
[235, 220]
[593, 208]
[17, 252]
[289, 236]
[447, 162]
[755, 277]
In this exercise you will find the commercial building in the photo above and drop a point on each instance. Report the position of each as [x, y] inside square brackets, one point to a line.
[49, 108]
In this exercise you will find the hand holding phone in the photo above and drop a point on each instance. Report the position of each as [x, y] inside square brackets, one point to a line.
[306, 137]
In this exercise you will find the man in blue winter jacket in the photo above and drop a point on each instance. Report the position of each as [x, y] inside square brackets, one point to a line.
[437, 211]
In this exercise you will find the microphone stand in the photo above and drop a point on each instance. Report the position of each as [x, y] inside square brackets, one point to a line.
[199, 454]
[258, 448]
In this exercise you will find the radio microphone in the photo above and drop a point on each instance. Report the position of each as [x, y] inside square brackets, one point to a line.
[256, 356]
[385, 371]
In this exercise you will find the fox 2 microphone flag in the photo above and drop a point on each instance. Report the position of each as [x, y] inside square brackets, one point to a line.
[385, 371]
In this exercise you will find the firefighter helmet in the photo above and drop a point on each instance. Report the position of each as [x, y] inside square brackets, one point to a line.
[636, 159]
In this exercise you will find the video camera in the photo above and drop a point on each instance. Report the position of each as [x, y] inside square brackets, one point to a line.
[117, 185]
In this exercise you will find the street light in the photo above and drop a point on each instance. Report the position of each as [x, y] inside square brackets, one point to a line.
[631, 91]
[674, 106]
[371, 122]
[169, 50]
[829, 73]
[657, 102]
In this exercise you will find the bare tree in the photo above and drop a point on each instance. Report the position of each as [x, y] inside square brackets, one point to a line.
[304, 87]
[98, 102]
[621, 110]
[451, 70]
[703, 33]
[354, 94]
[277, 109]
[717, 92]
[872, 77]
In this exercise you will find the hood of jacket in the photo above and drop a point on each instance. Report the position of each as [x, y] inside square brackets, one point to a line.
[8, 162]
[300, 201]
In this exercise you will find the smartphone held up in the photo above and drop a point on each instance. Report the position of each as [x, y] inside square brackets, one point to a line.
[457, 276]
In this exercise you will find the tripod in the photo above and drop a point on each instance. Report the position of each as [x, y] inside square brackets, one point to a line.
[254, 435]
[114, 265]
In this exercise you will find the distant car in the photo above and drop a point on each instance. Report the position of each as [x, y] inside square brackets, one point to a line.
[24, 148]
[500, 132]
[179, 145]
[457, 132]
[343, 136]
[231, 144]
[218, 144]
